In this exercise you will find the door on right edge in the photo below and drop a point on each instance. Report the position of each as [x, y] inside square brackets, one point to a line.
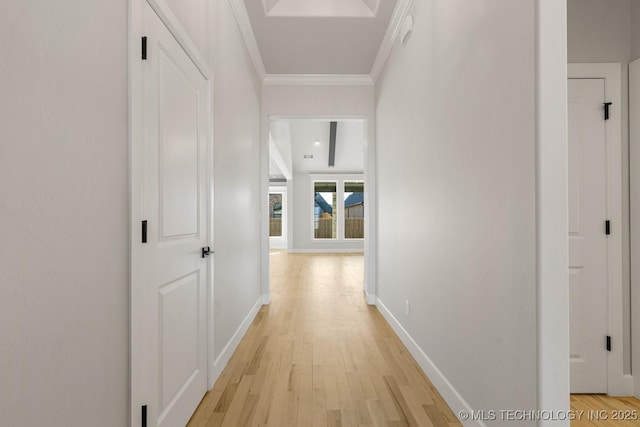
[587, 236]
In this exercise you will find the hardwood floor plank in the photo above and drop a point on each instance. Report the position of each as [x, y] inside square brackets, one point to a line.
[334, 417]
[318, 355]
[234, 410]
[436, 417]
[596, 410]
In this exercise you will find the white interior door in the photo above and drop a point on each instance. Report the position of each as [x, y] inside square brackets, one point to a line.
[587, 238]
[175, 204]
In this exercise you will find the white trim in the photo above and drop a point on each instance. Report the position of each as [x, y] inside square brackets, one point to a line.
[316, 117]
[317, 80]
[399, 13]
[451, 396]
[552, 212]
[266, 299]
[242, 18]
[211, 219]
[170, 20]
[327, 251]
[611, 73]
[136, 153]
[634, 204]
[232, 344]
[370, 298]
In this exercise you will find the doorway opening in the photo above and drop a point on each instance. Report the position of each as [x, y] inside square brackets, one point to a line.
[318, 191]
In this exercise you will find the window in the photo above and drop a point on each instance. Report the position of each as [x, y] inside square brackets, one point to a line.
[353, 210]
[325, 205]
[275, 215]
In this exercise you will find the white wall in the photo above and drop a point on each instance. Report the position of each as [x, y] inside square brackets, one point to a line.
[457, 198]
[600, 31]
[237, 178]
[304, 101]
[63, 213]
[302, 215]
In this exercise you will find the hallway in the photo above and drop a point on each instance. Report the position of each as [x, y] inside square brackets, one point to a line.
[319, 355]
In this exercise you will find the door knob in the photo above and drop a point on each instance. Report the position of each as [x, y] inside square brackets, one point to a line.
[206, 251]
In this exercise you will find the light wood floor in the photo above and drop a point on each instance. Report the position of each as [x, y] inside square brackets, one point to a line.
[593, 410]
[318, 355]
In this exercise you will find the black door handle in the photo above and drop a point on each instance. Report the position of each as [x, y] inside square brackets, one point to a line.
[206, 251]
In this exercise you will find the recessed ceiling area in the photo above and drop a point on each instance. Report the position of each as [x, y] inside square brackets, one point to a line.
[309, 145]
[324, 8]
[319, 36]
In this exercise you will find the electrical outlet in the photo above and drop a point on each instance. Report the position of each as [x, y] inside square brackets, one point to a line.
[407, 307]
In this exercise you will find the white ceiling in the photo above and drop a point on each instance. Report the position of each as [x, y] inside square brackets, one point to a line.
[319, 37]
[299, 139]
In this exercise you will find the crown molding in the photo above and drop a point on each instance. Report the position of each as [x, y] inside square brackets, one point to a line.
[242, 17]
[318, 80]
[399, 13]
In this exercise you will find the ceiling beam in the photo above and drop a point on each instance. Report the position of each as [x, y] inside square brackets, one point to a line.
[332, 143]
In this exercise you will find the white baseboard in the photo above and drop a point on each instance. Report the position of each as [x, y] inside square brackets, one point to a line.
[327, 251]
[222, 360]
[266, 299]
[371, 299]
[625, 387]
[444, 387]
[277, 245]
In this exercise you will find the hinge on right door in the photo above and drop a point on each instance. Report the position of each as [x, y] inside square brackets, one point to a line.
[144, 231]
[608, 343]
[144, 47]
[144, 416]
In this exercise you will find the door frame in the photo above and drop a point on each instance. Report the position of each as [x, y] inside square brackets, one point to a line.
[137, 354]
[634, 206]
[370, 227]
[618, 383]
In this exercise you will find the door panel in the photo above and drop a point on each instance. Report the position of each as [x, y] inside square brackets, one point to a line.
[175, 203]
[178, 331]
[587, 238]
[178, 143]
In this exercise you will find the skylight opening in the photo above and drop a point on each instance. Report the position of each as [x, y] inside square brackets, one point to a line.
[323, 8]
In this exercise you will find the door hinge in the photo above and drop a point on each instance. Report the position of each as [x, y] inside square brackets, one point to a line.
[608, 343]
[144, 47]
[607, 227]
[606, 110]
[144, 231]
[144, 416]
